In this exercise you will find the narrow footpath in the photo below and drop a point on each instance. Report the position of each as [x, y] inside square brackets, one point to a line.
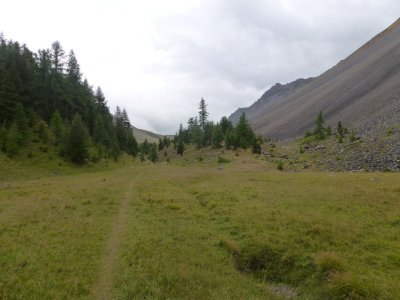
[103, 288]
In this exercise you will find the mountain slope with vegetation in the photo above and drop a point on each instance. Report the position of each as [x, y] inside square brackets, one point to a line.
[44, 99]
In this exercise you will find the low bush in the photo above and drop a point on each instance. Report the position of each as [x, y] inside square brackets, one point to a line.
[328, 263]
[348, 286]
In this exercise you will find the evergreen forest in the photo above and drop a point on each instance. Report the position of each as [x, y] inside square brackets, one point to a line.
[45, 98]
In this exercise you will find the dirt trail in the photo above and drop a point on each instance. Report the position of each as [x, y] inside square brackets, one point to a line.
[102, 289]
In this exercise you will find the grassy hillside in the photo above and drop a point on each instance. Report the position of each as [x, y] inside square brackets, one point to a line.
[199, 229]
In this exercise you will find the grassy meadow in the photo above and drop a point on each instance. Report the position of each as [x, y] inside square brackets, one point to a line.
[198, 229]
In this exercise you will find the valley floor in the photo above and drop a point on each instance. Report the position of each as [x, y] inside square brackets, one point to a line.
[222, 231]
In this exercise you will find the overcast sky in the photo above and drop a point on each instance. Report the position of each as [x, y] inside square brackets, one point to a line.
[157, 58]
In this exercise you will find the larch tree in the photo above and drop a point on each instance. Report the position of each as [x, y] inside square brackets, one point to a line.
[57, 57]
[203, 114]
[78, 141]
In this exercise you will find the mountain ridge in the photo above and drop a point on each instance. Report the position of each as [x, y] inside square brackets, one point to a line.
[362, 91]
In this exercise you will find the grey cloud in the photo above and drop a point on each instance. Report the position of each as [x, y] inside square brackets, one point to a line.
[257, 43]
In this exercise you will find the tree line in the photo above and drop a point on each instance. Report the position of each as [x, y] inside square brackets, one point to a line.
[202, 133]
[43, 95]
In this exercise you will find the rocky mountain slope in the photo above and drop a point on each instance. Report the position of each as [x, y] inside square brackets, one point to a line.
[141, 134]
[274, 94]
[362, 91]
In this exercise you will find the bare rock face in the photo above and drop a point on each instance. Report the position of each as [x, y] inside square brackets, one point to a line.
[362, 91]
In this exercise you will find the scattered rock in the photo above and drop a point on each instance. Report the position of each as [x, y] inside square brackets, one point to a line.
[283, 290]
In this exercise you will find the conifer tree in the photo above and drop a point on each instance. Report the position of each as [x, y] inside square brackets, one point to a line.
[57, 57]
[180, 147]
[153, 156]
[3, 138]
[131, 144]
[73, 68]
[57, 127]
[21, 119]
[197, 136]
[13, 140]
[229, 139]
[43, 131]
[160, 144]
[33, 87]
[217, 136]
[145, 147]
[43, 91]
[101, 101]
[340, 130]
[207, 133]
[78, 141]
[166, 141]
[320, 130]
[225, 125]
[244, 135]
[203, 114]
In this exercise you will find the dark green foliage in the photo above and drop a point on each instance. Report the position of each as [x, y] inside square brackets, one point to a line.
[150, 151]
[166, 141]
[340, 130]
[44, 90]
[244, 135]
[203, 114]
[207, 133]
[280, 164]
[180, 148]
[3, 138]
[13, 140]
[197, 136]
[131, 144]
[153, 156]
[230, 139]
[145, 147]
[73, 68]
[57, 127]
[43, 131]
[78, 141]
[217, 137]
[203, 133]
[328, 130]
[21, 119]
[99, 131]
[57, 57]
[160, 144]
[320, 130]
[124, 133]
[226, 125]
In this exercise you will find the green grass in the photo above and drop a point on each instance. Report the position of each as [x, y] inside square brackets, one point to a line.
[197, 230]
